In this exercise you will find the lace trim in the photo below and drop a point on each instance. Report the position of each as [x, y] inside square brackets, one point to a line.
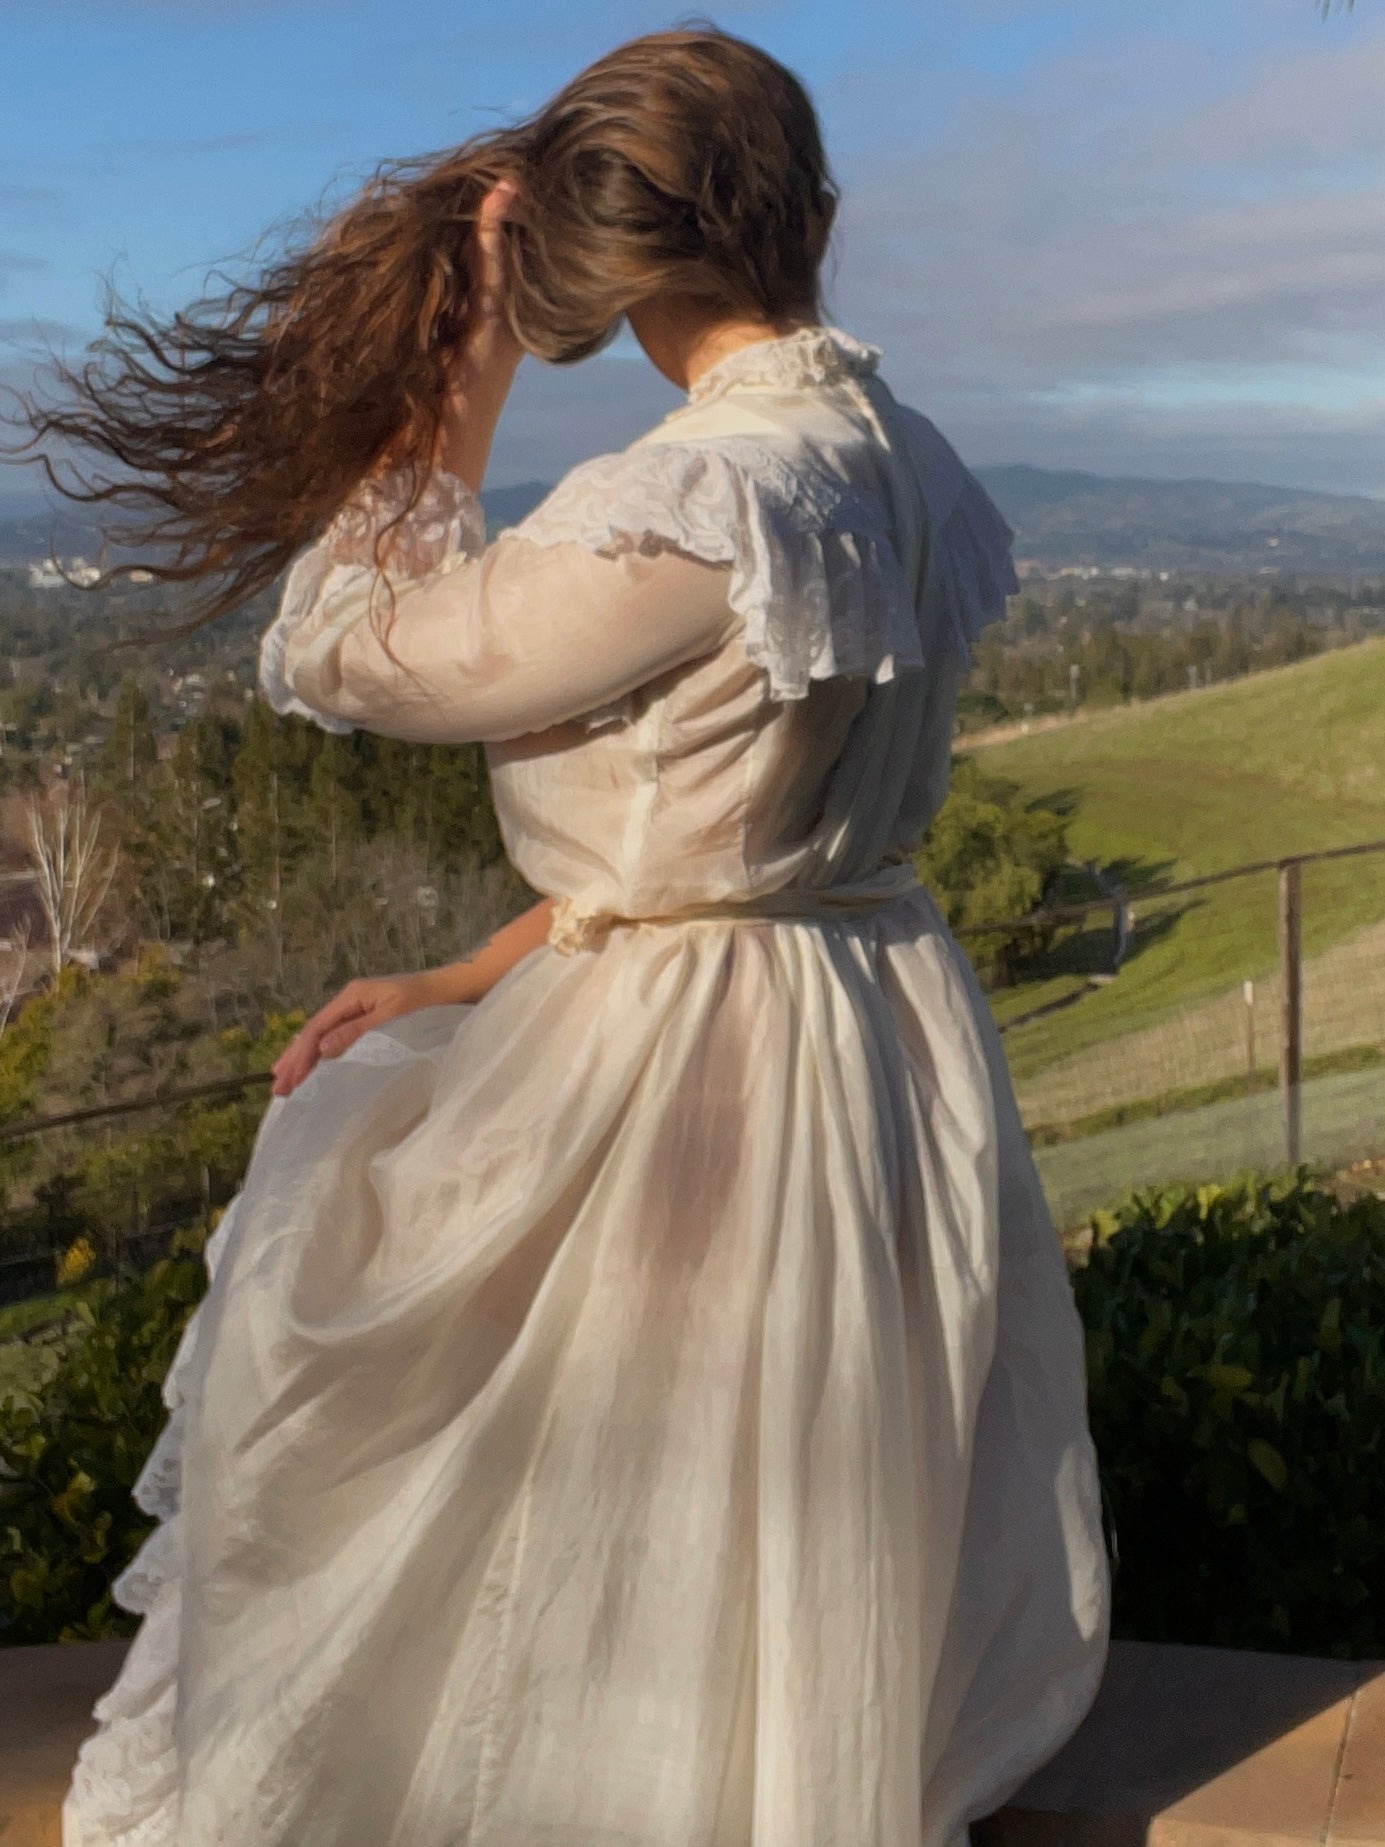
[448, 518]
[448, 523]
[809, 356]
[814, 573]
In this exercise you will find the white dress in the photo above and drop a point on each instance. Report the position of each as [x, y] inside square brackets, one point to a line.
[646, 1408]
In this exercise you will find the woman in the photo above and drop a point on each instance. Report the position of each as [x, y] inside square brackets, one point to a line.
[639, 1398]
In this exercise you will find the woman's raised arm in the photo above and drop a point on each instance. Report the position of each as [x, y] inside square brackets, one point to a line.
[511, 639]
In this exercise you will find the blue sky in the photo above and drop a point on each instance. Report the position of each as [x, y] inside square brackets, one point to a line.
[1144, 239]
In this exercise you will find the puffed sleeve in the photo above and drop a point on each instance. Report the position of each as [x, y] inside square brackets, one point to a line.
[482, 642]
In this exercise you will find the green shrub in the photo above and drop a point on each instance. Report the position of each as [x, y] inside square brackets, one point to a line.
[1237, 1389]
[70, 1455]
[1237, 1396]
[988, 856]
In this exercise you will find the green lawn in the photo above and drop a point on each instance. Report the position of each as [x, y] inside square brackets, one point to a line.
[1342, 1114]
[1284, 762]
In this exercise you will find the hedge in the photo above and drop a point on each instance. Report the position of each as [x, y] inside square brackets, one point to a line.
[1236, 1380]
[1237, 1399]
[70, 1454]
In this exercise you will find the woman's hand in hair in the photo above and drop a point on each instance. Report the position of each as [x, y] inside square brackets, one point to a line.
[484, 368]
[489, 338]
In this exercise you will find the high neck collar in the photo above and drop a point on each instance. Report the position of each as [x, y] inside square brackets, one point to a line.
[809, 356]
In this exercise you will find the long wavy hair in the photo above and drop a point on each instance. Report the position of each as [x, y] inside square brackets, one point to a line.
[684, 162]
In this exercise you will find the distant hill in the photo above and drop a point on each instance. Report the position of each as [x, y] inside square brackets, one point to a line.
[1059, 519]
[30, 531]
[1160, 525]
[1179, 525]
[30, 528]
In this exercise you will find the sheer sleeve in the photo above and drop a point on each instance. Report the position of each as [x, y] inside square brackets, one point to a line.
[483, 642]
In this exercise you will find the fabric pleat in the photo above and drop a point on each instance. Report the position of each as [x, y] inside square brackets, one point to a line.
[606, 1432]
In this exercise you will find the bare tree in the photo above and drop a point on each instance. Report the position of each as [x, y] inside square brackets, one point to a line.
[72, 870]
[12, 975]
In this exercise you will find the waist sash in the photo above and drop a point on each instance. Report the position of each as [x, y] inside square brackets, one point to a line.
[575, 928]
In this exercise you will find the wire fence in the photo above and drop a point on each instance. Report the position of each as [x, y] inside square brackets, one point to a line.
[1185, 1031]
[1167, 1031]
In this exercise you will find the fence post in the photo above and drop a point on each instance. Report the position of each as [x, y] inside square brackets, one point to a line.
[1291, 1006]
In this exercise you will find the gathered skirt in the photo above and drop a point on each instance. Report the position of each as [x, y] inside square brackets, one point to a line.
[643, 1409]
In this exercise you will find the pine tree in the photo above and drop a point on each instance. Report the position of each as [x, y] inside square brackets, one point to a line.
[131, 749]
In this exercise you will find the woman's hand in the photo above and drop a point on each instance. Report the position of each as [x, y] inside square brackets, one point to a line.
[359, 1008]
[489, 340]
[483, 370]
[369, 1002]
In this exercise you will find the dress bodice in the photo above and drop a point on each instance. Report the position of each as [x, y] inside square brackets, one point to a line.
[713, 790]
[725, 659]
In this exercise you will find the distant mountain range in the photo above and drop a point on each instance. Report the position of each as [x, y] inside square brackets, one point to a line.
[1179, 525]
[1076, 519]
[1059, 519]
[29, 530]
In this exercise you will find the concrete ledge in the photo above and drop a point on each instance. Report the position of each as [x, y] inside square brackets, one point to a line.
[1207, 1747]
[1185, 1747]
[46, 1697]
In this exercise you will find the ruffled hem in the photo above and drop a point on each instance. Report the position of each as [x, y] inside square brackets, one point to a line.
[124, 1790]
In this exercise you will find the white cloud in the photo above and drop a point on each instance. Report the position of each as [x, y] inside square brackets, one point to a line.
[1079, 270]
[1159, 248]
[14, 263]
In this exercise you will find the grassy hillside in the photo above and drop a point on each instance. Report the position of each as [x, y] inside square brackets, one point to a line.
[1285, 762]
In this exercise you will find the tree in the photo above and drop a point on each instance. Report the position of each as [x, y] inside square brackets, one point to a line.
[12, 975]
[988, 857]
[187, 876]
[130, 750]
[72, 870]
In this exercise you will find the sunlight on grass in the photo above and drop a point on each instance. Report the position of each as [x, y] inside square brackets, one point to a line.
[1285, 762]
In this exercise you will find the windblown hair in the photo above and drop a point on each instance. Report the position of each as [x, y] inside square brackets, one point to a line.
[685, 162]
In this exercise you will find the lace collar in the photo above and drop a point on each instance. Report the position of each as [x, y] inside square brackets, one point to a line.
[809, 356]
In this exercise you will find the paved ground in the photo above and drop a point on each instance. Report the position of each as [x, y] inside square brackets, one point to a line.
[1204, 1747]
[1185, 1747]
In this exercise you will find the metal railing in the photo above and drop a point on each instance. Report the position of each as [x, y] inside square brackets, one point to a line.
[1289, 871]
[159, 1099]
[1120, 905]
